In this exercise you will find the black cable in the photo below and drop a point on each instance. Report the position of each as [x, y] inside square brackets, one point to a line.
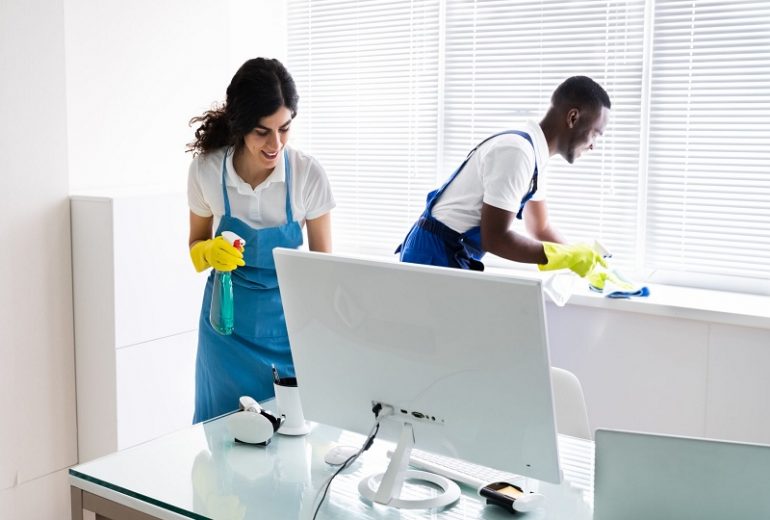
[367, 444]
[344, 466]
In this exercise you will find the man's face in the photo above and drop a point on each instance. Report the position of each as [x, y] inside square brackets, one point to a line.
[586, 129]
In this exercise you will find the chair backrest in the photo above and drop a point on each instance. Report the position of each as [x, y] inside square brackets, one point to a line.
[570, 405]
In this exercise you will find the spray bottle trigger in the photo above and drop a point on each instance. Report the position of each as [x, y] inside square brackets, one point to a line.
[234, 240]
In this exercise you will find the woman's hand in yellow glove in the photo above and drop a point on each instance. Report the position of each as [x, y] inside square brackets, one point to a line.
[217, 253]
[580, 258]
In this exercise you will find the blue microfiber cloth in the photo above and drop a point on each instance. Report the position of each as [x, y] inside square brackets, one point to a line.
[613, 284]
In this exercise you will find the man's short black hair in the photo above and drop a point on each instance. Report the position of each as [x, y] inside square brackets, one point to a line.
[580, 92]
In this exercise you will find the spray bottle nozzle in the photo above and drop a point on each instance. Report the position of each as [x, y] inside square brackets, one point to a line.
[234, 240]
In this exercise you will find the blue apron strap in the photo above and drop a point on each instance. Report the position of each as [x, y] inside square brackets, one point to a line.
[224, 184]
[287, 169]
[289, 214]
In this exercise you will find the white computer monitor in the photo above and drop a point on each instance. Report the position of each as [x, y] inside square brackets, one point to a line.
[461, 356]
[646, 475]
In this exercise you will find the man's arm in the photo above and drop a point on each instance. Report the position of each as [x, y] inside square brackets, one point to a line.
[498, 238]
[537, 223]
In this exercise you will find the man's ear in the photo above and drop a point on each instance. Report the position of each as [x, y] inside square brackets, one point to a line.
[573, 114]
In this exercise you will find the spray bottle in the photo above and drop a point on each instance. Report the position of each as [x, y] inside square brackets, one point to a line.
[221, 314]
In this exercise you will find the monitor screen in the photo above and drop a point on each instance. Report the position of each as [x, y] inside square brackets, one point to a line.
[461, 356]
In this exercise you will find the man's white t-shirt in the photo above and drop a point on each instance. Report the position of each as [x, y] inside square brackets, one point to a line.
[265, 205]
[498, 174]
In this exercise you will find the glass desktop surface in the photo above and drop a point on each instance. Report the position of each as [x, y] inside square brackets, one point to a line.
[201, 473]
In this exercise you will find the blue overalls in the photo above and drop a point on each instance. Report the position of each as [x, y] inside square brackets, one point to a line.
[228, 367]
[431, 242]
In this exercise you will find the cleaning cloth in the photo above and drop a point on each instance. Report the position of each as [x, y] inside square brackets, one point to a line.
[613, 284]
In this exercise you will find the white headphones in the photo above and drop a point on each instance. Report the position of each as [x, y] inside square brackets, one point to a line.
[253, 424]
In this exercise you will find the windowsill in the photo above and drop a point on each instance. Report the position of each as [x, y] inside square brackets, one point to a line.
[672, 301]
[732, 308]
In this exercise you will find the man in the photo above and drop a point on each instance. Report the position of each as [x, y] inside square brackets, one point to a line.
[471, 214]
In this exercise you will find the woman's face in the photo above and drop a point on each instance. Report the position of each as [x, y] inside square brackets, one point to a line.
[267, 140]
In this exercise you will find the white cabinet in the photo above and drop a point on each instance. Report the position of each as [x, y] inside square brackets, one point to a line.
[739, 361]
[662, 374]
[136, 304]
[639, 372]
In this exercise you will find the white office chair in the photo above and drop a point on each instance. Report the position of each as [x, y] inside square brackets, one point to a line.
[570, 404]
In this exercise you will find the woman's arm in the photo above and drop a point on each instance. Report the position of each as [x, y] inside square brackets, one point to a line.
[319, 233]
[200, 228]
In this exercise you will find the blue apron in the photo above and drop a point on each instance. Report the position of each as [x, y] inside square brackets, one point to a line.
[228, 367]
[431, 242]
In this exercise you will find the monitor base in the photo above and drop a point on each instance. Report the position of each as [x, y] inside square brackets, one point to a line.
[450, 491]
[388, 492]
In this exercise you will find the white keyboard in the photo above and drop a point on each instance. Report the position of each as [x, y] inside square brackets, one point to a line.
[577, 465]
[473, 475]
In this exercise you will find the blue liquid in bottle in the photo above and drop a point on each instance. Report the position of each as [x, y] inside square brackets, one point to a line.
[221, 313]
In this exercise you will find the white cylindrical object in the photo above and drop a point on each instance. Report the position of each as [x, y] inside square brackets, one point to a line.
[289, 405]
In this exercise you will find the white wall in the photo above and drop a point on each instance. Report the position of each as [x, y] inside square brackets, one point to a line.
[138, 71]
[94, 95]
[37, 378]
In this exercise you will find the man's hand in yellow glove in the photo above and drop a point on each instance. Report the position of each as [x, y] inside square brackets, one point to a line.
[217, 253]
[580, 258]
[599, 277]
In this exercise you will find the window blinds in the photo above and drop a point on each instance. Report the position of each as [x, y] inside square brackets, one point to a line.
[708, 210]
[367, 74]
[394, 95]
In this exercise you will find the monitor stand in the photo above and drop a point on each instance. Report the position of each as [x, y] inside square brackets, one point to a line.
[389, 490]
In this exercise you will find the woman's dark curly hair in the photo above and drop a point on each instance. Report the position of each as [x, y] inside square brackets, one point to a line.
[259, 88]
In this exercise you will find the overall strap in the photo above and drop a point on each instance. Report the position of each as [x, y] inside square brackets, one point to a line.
[532, 184]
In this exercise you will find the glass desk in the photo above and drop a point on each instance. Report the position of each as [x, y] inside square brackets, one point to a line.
[201, 473]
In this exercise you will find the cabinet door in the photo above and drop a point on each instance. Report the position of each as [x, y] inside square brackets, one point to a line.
[157, 291]
[639, 372]
[155, 387]
[739, 361]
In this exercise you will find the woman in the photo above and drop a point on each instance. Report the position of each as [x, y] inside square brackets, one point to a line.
[244, 178]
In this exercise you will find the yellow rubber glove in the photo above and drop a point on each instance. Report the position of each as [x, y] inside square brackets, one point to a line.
[580, 258]
[597, 278]
[600, 276]
[217, 253]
